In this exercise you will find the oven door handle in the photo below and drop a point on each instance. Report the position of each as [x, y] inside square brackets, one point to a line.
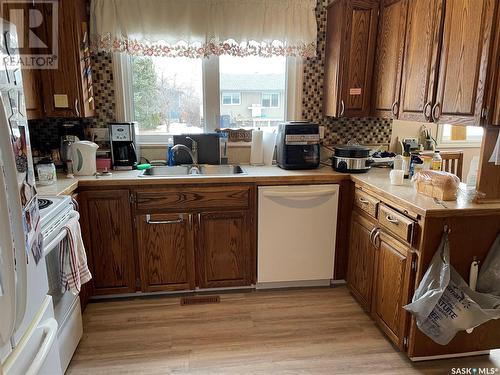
[60, 236]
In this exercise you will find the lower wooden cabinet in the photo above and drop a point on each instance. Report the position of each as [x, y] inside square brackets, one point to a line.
[393, 271]
[166, 252]
[361, 260]
[380, 274]
[108, 236]
[224, 248]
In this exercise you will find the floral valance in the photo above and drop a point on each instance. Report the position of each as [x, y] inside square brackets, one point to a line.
[200, 28]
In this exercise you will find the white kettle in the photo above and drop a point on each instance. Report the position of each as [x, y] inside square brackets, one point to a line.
[83, 157]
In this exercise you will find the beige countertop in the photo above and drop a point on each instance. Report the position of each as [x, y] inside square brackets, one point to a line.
[376, 180]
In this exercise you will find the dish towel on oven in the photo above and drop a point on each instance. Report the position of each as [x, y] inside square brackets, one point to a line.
[73, 260]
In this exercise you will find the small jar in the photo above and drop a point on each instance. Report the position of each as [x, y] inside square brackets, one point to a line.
[46, 172]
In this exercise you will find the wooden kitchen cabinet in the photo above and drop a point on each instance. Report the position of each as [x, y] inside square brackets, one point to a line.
[107, 233]
[447, 53]
[67, 90]
[389, 58]
[224, 249]
[393, 274]
[166, 252]
[361, 260]
[465, 51]
[350, 46]
[419, 72]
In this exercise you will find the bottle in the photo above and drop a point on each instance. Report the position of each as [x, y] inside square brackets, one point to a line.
[437, 161]
[398, 162]
[406, 160]
[170, 152]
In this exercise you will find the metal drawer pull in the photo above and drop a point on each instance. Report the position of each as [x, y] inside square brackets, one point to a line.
[372, 232]
[392, 220]
[178, 221]
[375, 237]
[364, 201]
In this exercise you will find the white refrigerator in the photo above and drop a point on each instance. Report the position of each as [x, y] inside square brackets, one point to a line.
[28, 330]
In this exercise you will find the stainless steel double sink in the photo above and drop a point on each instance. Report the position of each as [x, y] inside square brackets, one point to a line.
[192, 170]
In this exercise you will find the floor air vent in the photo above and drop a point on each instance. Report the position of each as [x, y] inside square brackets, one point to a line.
[197, 300]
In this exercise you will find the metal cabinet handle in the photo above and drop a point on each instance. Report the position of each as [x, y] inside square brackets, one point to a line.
[177, 221]
[190, 221]
[376, 236]
[75, 204]
[435, 117]
[390, 219]
[427, 105]
[364, 201]
[342, 108]
[77, 111]
[372, 232]
[395, 108]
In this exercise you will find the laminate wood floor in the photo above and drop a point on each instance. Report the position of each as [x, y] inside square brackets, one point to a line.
[313, 331]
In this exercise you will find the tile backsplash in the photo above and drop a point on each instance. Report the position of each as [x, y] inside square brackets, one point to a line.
[363, 130]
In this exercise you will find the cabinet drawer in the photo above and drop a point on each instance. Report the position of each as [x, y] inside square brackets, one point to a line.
[396, 223]
[366, 202]
[193, 198]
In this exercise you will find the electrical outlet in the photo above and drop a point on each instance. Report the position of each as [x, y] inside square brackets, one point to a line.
[99, 134]
[321, 132]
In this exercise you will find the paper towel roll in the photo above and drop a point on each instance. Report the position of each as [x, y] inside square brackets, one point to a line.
[257, 150]
[269, 143]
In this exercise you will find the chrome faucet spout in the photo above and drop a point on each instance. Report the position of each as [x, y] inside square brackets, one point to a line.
[193, 151]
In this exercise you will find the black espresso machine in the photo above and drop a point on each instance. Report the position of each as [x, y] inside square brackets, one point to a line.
[123, 150]
[298, 145]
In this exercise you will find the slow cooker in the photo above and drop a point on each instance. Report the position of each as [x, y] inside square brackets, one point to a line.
[352, 159]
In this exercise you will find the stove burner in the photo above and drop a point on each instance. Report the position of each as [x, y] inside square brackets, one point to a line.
[44, 203]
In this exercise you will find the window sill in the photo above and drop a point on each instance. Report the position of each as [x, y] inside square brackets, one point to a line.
[446, 145]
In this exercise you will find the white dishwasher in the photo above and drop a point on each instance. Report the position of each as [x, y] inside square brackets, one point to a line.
[297, 227]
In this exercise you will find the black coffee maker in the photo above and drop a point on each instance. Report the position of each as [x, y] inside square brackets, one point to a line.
[123, 150]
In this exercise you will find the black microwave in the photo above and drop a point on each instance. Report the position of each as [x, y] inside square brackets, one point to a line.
[298, 145]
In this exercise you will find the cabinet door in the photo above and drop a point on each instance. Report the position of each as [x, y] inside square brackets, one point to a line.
[467, 36]
[65, 89]
[107, 234]
[224, 249]
[166, 252]
[361, 260]
[420, 59]
[333, 57]
[392, 284]
[389, 58]
[361, 32]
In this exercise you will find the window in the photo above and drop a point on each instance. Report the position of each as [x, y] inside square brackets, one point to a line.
[175, 95]
[231, 98]
[167, 95]
[459, 136]
[270, 100]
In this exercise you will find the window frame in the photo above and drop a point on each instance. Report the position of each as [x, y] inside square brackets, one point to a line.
[271, 93]
[124, 108]
[448, 143]
[231, 93]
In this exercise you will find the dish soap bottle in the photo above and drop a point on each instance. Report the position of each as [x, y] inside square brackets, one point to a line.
[437, 161]
[170, 153]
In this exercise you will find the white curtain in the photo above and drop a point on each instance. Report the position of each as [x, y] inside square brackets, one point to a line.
[200, 28]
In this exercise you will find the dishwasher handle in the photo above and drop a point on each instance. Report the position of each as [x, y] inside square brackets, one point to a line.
[299, 194]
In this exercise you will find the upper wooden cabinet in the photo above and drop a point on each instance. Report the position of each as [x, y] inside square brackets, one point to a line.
[389, 58]
[493, 80]
[67, 90]
[350, 47]
[467, 35]
[447, 53]
[420, 59]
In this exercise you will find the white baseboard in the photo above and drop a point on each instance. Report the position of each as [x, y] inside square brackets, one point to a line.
[292, 284]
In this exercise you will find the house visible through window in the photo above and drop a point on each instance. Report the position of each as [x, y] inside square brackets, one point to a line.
[231, 98]
[459, 136]
[270, 100]
[169, 96]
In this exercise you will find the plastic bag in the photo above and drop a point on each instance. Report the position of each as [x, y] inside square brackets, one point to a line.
[443, 303]
[437, 184]
[488, 280]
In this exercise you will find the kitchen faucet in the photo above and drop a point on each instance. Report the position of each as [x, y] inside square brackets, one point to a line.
[193, 151]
